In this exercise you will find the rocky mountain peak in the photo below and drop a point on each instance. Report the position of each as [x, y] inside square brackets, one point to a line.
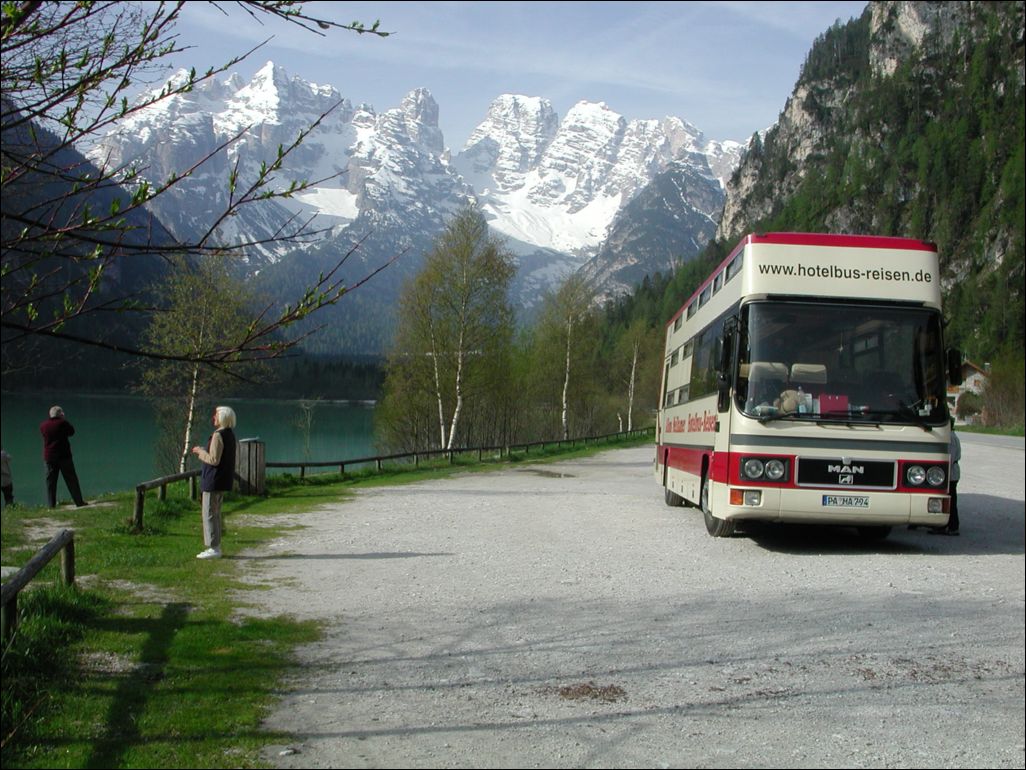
[553, 187]
[420, 120]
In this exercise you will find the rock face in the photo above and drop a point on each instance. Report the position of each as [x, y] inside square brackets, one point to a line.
[671, 218]
[821, 114]
[554, 188]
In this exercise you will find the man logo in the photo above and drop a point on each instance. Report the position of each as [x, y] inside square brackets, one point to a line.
[846, 479]
[846, 468]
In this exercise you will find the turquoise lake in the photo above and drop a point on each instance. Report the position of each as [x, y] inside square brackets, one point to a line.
[115, 439]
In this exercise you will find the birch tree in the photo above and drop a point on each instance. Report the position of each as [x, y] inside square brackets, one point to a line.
[563, 335]
[205, 309]
[455, 324]
[634, 366]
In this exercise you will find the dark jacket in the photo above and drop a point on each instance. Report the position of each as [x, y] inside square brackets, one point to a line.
[220, 477]
[56, 432]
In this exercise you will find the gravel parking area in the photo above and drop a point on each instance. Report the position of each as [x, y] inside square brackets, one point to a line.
[561, 615]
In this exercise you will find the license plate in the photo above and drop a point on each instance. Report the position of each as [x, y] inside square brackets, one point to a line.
[845, 501]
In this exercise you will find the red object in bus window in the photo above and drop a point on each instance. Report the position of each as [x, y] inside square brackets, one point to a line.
[832, 404]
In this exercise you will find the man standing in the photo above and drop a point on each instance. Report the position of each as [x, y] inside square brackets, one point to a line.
[57, 456]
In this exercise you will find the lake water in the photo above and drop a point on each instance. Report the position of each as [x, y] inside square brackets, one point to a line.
[115, 437]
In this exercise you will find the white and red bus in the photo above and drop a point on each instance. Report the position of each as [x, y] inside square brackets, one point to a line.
[804, 381]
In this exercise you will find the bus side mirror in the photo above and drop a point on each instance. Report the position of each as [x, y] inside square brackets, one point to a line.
[954, 366]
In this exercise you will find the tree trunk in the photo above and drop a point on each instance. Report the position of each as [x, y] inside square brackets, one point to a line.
[460, 356]
[438, 389]
[630, 386]
[566, 380]
[188, 418]
[459, 398]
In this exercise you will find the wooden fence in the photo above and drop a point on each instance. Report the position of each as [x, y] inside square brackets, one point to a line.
[161, 484]
[500, 451]
[64, 543]
[378, 461]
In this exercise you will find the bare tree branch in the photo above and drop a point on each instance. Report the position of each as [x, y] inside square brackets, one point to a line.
[72, 231]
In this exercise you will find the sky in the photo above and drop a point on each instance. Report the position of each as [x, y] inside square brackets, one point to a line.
[725, 67]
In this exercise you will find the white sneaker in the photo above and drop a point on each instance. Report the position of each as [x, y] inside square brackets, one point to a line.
[210, 553]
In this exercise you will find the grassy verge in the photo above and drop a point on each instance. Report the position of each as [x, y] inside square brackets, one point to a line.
[1008, 431]
[146, 661]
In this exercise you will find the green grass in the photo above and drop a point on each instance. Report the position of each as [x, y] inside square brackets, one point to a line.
[146, 661]
[1007, 431]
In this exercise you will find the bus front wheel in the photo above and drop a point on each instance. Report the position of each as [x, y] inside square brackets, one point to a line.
[672, 498]
[716, 527]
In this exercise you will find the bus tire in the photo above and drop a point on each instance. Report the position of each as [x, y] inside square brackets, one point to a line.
[873, 533]
[672, 498]
[715, 527]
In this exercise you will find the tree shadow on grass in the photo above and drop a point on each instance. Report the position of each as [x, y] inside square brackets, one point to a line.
[132, 692]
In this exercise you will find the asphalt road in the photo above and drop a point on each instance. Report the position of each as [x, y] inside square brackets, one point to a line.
[562, 616]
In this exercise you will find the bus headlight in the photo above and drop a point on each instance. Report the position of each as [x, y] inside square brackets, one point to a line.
[916, 475]
[771, 469]
[936, 476]
[753, 468]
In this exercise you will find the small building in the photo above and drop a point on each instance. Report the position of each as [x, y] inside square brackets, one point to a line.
[973, 380]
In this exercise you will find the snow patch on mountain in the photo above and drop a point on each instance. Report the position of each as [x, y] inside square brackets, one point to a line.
[559, 184]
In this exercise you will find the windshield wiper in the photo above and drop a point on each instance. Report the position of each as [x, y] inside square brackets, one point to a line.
[917, 418]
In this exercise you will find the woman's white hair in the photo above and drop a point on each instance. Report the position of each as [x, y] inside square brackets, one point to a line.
[225, 417]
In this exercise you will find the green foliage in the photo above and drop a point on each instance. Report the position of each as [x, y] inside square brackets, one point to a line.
[839, 56]
[969, 404]
[1004, 395]
[444, 384]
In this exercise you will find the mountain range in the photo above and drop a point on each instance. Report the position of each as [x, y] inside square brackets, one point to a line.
[591, 191]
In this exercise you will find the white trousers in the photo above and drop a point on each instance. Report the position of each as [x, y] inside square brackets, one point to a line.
[212, 519]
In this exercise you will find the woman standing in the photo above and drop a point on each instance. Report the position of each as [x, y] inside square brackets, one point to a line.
[218, 476]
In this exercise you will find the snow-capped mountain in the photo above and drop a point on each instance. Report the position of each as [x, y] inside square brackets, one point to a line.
[559, 184]
[358, 162]
[555, 187]
[552, 187]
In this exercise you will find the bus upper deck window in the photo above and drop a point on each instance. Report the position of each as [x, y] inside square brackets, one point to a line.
[735, 266]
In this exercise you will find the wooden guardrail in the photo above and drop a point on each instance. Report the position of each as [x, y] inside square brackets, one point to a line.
[64, 543]
[161, 484]
[378, 460]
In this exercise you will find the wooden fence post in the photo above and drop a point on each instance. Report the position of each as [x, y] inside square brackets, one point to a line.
[251, 467]
[140, 501]
[9, 618]
[68, 563]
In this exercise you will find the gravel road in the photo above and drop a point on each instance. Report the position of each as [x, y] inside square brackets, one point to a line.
[561, 615]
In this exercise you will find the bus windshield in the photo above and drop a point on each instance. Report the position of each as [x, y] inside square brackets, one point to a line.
[845, 362]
